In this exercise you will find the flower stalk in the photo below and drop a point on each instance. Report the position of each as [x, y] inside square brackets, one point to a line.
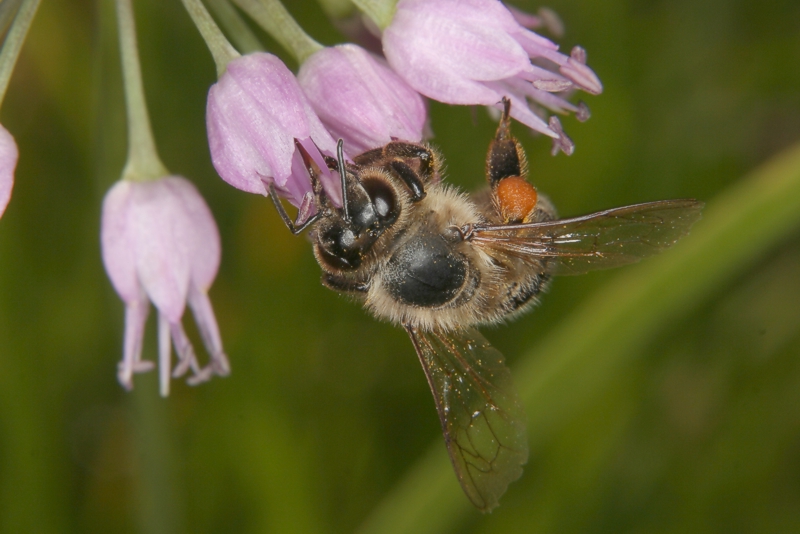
[279, 23]
[379, 11]
[229, 18]
[143, 162]
[221, 49]
[13, 42]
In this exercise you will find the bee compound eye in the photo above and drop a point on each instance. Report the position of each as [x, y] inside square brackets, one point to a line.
[383, 199]
[346, 239]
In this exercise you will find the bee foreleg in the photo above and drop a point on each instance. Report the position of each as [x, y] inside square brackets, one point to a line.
[303, 220]
[410, 178]
[404, 150]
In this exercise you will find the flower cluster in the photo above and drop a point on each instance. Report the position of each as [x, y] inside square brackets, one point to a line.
[259, 116]
[266, 125]
[469, 52]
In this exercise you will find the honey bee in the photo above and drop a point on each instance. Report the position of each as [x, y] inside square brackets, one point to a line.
[421, 254]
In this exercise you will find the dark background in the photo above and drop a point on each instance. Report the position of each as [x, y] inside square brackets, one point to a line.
[326, 411]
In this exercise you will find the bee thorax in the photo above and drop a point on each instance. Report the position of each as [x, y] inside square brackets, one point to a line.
[425, 271]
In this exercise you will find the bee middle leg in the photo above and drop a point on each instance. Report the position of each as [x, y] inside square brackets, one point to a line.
[420, 160]
[343, 285]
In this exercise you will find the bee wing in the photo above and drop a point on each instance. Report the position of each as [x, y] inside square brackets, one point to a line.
[602, 240]
[482, 418]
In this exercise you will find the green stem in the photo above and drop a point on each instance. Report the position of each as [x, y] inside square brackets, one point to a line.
[380, 12]
[234, 24]
[276, 21]
[13, 42]
[337, 9]
[143, 162]
[591, 347]
[160, 494]
[8, 10]
[221, 50]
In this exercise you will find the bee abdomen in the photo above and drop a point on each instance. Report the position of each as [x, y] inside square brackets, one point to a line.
[425, 272]
[520, 294]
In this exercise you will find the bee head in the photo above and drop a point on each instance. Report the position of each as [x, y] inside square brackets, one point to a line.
[369, 206]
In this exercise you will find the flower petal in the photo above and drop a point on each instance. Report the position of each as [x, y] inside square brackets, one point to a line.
[209, 331]
[119, 257]
[444, 49]
[202, 236]
[254, 114]
[159, 236]
[8, 162]
[520, 109]
[135, 319]
[360, 99]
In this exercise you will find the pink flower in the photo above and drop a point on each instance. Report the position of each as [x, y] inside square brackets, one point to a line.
[255, 114]
[360, 99]
[161, 245]
[8, 162]
[475, 52]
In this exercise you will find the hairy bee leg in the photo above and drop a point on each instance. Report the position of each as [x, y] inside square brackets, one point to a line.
[295, 229]
[425, 155]
[506, 157]
[410, 178]
[400, 150]
[341, 284]
[513, 196]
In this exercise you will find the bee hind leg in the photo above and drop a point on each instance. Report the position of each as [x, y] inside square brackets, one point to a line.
[506, 157]
[506, 170]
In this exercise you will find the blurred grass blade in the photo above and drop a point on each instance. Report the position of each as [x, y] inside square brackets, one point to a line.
[574, 362]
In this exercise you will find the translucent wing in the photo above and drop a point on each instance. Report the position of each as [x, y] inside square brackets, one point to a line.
[602, 240]
[481, 416]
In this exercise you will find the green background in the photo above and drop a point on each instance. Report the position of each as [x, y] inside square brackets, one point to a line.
[663, 397]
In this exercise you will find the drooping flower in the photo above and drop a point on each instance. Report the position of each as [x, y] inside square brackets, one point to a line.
[8, 162]
[360, 99]
[475, 52]
[160, 244]
[255, 114]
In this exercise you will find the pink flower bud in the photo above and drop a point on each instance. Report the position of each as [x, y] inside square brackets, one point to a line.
[255, 114]
[360, 99]
[160, 244]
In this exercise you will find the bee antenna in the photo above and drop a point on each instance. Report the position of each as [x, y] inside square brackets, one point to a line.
[343, 177]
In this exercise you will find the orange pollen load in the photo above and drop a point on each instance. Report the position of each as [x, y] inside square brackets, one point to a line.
[517, 198]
